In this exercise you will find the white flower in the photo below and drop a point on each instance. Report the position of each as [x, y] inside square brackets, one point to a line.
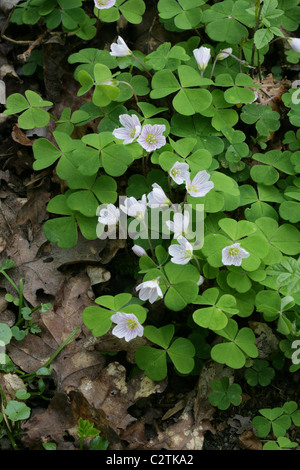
[201, 280]
[109, 215]
[202, 56]
[104, 4]
[179, 172]
[294, 43]
[119, 48]
[233, 255]
[130, 131]
[157, 197]
[138, 250]
[150, 290]
[151, 137]
[135, 208]
[224, 53]
[200, 184]
[128, 326]
[180, 224]
[182, 253]
[256, 96]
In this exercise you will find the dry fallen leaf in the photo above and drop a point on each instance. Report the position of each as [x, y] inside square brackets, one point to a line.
[53, 425]
[185, 434]
[111, 393]
[73, 362]
[10, 383]
[38, 262]
[103, 401]
[249, 441]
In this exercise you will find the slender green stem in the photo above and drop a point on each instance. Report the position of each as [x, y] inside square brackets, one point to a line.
[20, 301]
[132, 89]
[257, 14]
[259, 65]
[213, 67]
[142, 65]
[197, 263]
[61, 347]
[9, 434]
[3, 396]
[165, 282]
[10, 281]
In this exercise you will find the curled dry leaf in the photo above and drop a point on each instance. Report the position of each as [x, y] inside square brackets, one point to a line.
[20, 137]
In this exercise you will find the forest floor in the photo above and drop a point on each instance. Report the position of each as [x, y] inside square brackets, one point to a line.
[90, 377]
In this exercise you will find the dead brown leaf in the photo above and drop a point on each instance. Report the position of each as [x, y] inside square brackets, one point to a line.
[10, 383]
[102, 401]
[109, 342]
[249, 441]
[39, 262]
[55, 424]
[111, 393]
[270, 92]
[19, 136]
[74, 362]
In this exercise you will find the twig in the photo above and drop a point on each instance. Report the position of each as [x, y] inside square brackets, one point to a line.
[23, 57]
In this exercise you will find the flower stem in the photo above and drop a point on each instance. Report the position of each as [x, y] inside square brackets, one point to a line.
[142, 65]
[197, 263]
[257, 14]
[132, 89]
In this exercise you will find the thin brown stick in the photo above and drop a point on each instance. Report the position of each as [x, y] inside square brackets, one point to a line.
[25, 55]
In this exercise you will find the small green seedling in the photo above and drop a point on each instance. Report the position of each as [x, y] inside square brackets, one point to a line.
[85, 430]
[224, 394]
[259, 373]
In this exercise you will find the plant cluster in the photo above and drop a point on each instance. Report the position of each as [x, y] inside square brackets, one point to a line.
[185, 124]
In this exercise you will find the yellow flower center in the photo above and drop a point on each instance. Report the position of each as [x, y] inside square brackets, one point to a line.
[193, 188]
[102, 3]
[187, 254]
[131, 324]
[151, 139]
[174, 172]
[132, 133]
[233, 251]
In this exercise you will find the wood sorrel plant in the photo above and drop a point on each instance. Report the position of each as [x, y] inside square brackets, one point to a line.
[188, 123]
